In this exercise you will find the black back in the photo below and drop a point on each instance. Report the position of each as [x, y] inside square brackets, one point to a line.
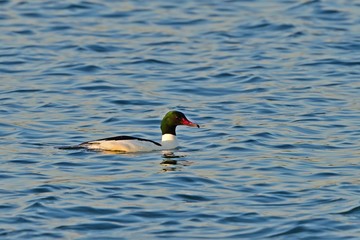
[120, 138]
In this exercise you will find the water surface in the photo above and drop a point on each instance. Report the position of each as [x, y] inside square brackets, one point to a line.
[274, 86]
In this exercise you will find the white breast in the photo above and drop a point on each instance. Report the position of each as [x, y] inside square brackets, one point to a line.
[169, 141]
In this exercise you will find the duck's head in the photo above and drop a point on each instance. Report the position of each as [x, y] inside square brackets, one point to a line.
[173, 119]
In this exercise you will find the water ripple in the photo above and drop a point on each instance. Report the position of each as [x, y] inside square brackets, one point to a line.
[273, 84]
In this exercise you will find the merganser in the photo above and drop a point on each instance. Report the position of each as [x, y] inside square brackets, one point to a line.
[133, 144]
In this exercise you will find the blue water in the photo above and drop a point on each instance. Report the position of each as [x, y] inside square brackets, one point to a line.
[273, 84]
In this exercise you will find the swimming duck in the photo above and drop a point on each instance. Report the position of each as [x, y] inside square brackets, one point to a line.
[134, 144]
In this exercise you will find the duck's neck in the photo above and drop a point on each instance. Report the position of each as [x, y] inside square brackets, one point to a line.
[167, 128]
[169, 141]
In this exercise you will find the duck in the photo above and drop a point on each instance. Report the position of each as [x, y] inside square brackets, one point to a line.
[130, 144]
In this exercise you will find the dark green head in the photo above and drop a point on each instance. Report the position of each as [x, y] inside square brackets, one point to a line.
[173, 119]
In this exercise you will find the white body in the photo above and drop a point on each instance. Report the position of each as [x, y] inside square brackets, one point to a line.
[168, 141]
